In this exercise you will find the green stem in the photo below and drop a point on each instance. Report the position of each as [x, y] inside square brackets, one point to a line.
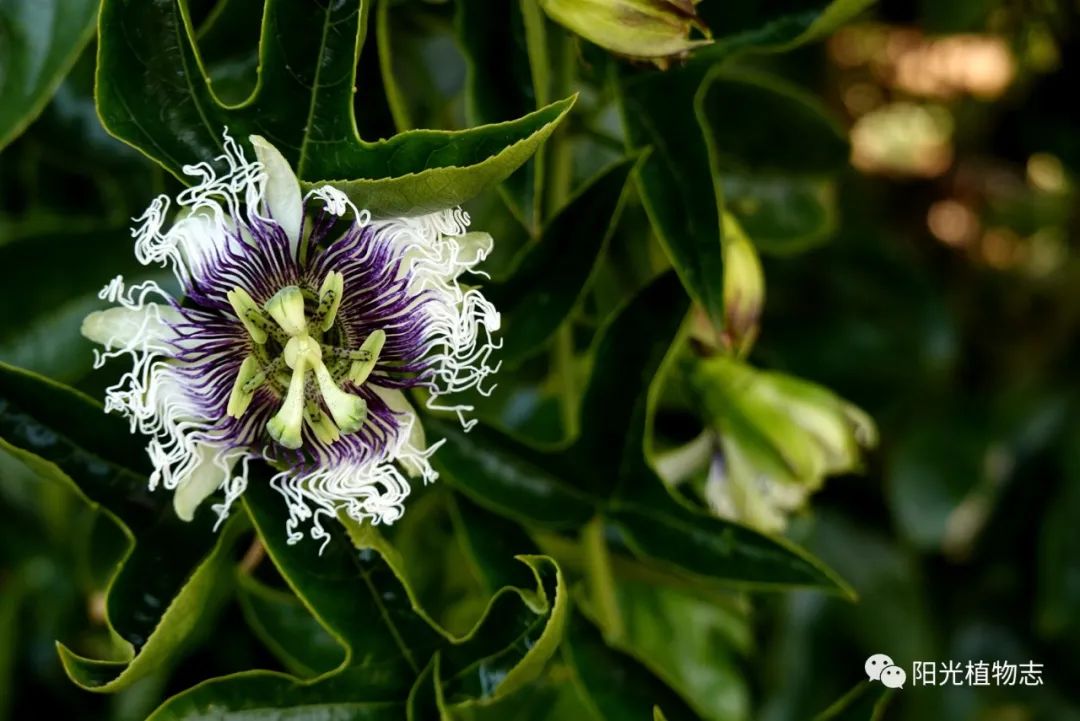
[563, 361]
[558, 163]
[601, 579]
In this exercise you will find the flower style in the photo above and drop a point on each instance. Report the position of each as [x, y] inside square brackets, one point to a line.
[302, 322]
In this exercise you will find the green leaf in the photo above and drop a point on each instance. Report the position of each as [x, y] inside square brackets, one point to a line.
[197, 600]
[693, 542]
[675, 178]
[42, 307]
[552, 274]
[746, 128]
[759, 124]
[783, 215]
[501, 59]
[66, 437]
[751, 27]
[698, 647]
[771, 147]
[605, 469]
[270, 696]
[148, 62]
[229, 40]
[932, 470]
[866, 702]
[287, 628]
[630, 354]
[615, 685]
[486, 539]
[39, 42]
[510, 477]
[356, 591]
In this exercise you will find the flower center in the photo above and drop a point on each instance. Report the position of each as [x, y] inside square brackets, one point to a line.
[291, 357]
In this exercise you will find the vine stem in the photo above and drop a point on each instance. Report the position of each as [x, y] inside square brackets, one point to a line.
[252, 557]
[601, 579]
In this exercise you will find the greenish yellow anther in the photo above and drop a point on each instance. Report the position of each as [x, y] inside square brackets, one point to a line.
[329, 300]
[285, 427]
[249, 313]
[248, 379]
[372, 347]
[287, 309]
[347, 410]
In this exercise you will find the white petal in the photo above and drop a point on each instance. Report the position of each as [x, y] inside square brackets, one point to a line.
[283, 197]
[416, 440]
[475, 247]
[679, 464]
[144, 327]
[207, 477]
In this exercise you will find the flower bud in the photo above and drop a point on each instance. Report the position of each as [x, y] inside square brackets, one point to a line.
[656, 30]
[744, 289]
[778, 438]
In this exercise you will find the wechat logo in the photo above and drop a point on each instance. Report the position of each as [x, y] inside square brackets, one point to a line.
[880, 667]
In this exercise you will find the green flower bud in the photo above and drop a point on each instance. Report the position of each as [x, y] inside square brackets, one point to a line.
[656, 30]
[744, 289]
[778, 437]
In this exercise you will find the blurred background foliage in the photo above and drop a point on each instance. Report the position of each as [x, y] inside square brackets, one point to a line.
[930, 278]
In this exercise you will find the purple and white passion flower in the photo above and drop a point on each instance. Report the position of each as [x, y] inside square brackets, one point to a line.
[302, 323]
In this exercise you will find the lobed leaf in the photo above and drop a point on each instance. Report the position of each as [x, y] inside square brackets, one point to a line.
[171, 575]
[392, 649]
[153, 92]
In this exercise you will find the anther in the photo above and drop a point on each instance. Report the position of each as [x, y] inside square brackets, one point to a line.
[243, 389]
[249, 313]
[369, 352]
[330, 293]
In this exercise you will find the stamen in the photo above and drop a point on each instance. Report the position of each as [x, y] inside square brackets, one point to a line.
[348, 411]
[249, 378]
[287, 308]
[362, 366]
[329, 300]
[250, 314]
[286, 425]
[268, 370]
